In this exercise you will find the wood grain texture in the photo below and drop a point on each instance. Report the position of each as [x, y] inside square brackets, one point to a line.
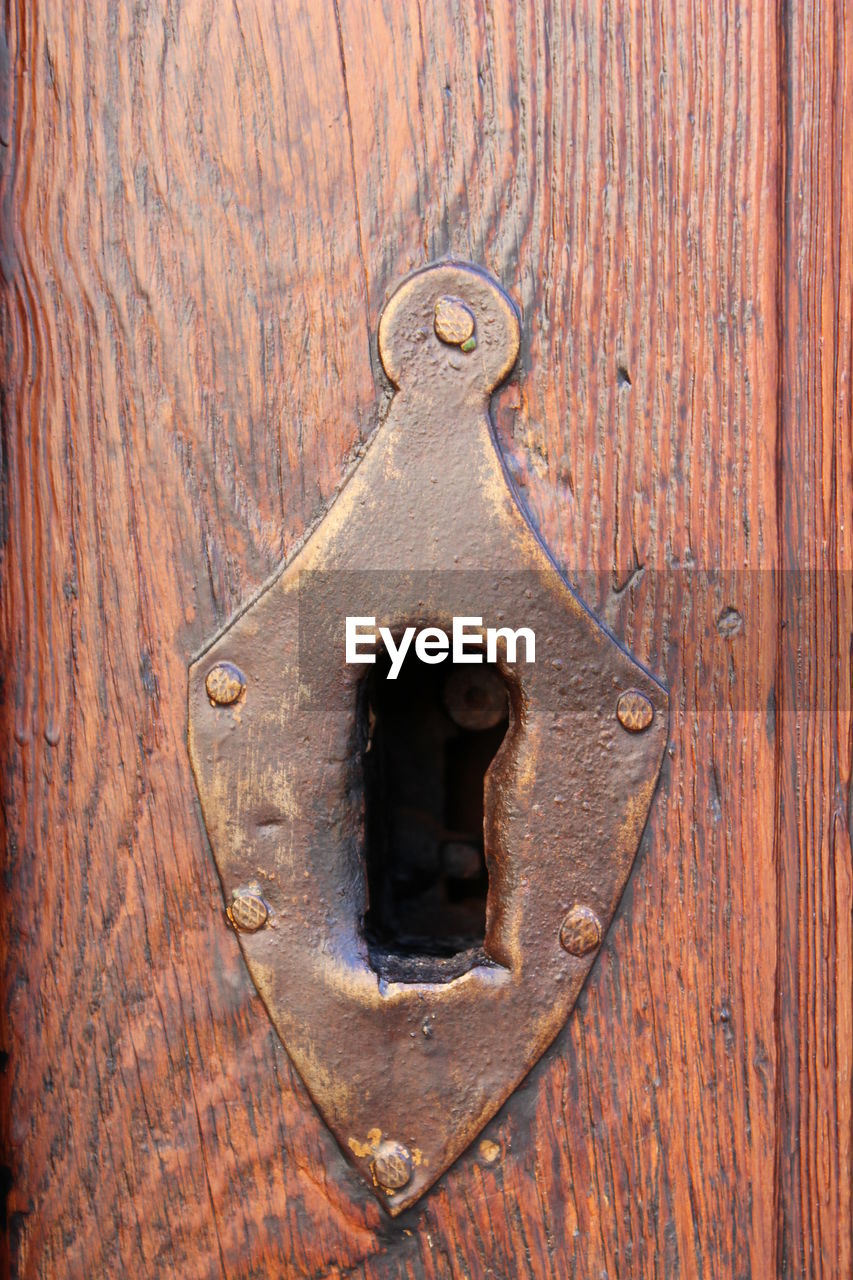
[815, 728]
[203, 208]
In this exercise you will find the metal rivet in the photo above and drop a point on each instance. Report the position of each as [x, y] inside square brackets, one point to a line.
[634, 711]
[248, 911]
[224, 683]
[454, 323]
[581, 931]
[392, 1166]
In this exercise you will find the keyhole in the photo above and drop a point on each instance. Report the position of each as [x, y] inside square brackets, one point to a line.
[431, 735]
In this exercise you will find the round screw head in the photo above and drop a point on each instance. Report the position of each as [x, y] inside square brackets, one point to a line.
[581, 931]
[248, 912]
[224, 683]
[454, 323]
[634, 711]
[392, 1166]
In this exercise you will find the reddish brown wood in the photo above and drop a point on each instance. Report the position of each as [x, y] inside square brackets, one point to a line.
[203, 207]
[814, 725]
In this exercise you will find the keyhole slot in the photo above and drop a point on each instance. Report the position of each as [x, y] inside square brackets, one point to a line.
[430, 737]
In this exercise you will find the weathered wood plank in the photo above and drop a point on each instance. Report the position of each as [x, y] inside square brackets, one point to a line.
[815, 993]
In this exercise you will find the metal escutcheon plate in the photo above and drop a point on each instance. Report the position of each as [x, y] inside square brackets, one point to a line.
[406, 1073]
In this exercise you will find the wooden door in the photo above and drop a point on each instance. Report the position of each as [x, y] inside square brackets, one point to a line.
[204, 207]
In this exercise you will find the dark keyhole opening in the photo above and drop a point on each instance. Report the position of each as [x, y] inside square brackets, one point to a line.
[431, 735]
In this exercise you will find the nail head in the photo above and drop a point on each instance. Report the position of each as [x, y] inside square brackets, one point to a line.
[454, 322]
[392, 1166]
[248, 911]
[634, 711]
[581, 931]
[224, 683]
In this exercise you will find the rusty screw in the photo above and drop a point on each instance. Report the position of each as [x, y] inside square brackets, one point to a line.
[248, 911]
[392, 1166]
[581, 931]
[224, 683]
[634, 711]
[454, 323]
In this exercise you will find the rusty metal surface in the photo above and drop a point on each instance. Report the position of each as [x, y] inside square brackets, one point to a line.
[407, 1070]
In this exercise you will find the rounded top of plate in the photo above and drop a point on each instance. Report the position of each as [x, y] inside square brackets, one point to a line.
[450, 325]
